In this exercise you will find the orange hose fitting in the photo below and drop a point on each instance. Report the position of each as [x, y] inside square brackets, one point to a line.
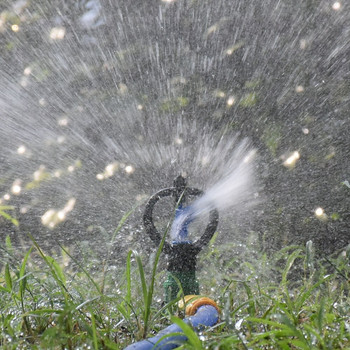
[193, 302]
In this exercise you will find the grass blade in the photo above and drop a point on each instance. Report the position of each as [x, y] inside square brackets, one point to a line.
[128, 283]
[8, 216]
[8, 278]
[120, 225]
[251, 303]
[8, 244]
[290, 261]
[22, 278]
[48, 260]
[82, 269]
[142, 278]
[304, 296]
[94, 332]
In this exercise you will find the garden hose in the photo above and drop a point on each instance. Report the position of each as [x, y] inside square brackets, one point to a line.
[200, 311]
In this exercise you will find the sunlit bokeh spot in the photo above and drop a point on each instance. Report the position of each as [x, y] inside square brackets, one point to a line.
[53, 217]
[27, 71]
[336, 6]
[57, 173]
[71, 168]
[111, 169]
[16, 187]
[319, 211]
[140, 107]
[21, 149]
[63, 121]
[39, 174]
[292, 159]
[57, 33]
[61, 215]
[15, 27]
[6, 197]
[69, 205]
[230, 101]
[129, 169]
[47, 217]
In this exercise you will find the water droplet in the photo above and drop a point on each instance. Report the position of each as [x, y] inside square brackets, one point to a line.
[57, 33]
[16, 187]
[319, 211]
[15, 27]
[336, 6]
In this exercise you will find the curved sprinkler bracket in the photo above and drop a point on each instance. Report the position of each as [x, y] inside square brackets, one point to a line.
[182, 256]
[201, 312]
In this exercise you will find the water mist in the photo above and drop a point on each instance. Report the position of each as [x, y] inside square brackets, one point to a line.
[235, 190]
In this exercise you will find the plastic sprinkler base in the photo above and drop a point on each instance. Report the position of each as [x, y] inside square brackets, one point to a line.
[188, 282]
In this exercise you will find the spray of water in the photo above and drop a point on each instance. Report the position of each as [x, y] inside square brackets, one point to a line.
[105, 102]
[235, 190]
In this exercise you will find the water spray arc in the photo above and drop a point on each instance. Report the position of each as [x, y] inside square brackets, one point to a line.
[181, 252]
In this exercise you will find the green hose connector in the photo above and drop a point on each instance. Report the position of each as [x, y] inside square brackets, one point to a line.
[188, 282]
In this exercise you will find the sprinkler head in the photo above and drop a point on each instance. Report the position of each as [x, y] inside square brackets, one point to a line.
[182, 255]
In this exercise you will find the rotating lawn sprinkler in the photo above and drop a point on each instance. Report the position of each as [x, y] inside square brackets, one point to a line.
[181, 252]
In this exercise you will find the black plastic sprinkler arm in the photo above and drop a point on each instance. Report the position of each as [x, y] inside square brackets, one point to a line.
[148, 217]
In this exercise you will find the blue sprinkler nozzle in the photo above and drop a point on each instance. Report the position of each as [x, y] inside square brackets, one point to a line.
[206, 315]
[179, 230]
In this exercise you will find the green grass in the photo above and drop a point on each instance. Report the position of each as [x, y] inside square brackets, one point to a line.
[289, 300]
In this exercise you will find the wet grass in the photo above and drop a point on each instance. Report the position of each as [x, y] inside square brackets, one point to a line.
[289, 300]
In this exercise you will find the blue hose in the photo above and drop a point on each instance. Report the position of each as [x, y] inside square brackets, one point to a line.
[206, 315]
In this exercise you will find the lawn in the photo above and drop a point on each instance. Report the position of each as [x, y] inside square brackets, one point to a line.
[289, 299]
